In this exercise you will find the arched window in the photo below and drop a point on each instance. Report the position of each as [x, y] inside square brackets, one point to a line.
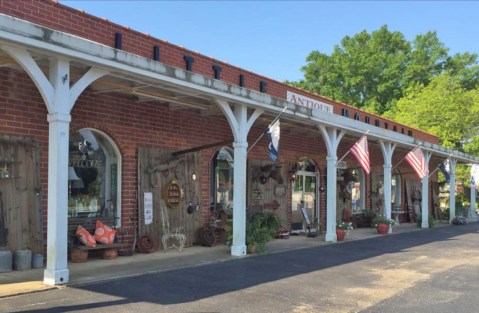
[94, 176]
[358, 191]
[222, 181]
[396, 192]
[350, 192]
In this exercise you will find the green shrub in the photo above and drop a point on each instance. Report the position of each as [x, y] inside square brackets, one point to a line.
[430, 220]
[261, 228]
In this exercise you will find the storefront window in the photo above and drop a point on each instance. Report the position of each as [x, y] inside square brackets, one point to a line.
[223, 181]
[357, 192]
[396, 192]
[93, 176]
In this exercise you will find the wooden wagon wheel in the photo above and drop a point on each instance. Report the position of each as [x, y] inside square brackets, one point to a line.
[146, 244]
[208, 237]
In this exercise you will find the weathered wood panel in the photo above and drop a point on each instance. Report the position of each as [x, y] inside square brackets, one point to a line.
[269, 188]
[156, 170]
[20, 207]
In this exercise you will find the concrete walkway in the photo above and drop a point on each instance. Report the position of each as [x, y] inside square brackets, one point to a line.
[95, 270]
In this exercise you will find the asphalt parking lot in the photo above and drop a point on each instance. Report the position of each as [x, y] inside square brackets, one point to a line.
[421, 271]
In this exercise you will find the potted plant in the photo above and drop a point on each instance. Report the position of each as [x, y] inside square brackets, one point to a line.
[342, 228]
[261, 227]
[459, 220]
[382, 224]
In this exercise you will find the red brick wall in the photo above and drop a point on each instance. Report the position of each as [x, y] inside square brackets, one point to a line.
[56, 16]
[151, 124]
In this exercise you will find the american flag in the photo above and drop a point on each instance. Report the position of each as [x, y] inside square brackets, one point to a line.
[415, 158]
[361, 152]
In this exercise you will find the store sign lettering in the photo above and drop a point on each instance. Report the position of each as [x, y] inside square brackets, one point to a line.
[308, 102]
[86, 163]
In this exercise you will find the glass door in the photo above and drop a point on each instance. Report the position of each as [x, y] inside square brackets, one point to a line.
[305, 202]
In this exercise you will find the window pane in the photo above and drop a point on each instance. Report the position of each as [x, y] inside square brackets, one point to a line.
[89, 195]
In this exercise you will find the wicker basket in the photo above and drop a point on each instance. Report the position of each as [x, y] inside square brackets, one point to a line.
[109, 254]
[79, 256]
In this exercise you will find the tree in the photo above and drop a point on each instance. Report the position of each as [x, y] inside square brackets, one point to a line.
[365, 71]
[443, 108]
[373, 71]
[427, 59]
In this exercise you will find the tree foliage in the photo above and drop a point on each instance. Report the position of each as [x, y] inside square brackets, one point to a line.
[373, 71]
[444, 108]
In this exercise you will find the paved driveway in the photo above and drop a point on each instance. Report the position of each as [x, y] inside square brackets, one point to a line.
[424, 271]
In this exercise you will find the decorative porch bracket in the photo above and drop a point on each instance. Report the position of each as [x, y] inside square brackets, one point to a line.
[425, 193]
[332, 137]
[59, 99]
[452, 189]
[240, 126]
[387, 149]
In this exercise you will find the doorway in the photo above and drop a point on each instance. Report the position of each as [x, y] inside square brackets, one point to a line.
[305, 198]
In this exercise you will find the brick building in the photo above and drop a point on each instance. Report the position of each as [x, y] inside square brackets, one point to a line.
[97, 120]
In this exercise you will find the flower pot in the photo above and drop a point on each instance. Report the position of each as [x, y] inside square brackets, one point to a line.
[382, 229]
[340, 234]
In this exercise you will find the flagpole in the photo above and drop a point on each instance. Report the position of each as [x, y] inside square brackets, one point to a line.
[266, 130]
[354, 143]
[404, 157]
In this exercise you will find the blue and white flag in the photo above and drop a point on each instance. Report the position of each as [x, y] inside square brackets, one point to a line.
[474, 175]
[444, 168]
[273, 147]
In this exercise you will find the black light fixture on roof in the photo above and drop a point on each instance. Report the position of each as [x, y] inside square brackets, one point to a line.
[118, 41]
[189, 62]
[217, 71]
[262, 86]
[241, 80]
[156, 53]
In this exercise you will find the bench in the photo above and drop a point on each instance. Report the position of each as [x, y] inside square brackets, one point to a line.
[79, 252]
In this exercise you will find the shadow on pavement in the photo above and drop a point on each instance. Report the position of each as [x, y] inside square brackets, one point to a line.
[195, 283]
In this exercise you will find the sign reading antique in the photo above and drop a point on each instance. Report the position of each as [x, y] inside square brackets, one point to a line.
[308, 102]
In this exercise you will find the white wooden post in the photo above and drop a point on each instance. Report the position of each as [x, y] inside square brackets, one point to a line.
[240, 126]
[59, 100]
[56, 271]
[332, 137]
[452, 189]
[472, 216]
[425, 193]
[387, 149]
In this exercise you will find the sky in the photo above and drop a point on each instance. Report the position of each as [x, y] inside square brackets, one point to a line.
[273, 38]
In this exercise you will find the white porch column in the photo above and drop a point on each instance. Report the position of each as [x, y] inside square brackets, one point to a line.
[387, 149]
[425, 193]
[472, 216]
[332, 138]
[57, 271]
[240, 126]
[452, 189]
[238, 247]
[331, 205]
[59, 99]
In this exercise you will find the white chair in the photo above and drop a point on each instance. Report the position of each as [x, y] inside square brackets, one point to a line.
[177, 235]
